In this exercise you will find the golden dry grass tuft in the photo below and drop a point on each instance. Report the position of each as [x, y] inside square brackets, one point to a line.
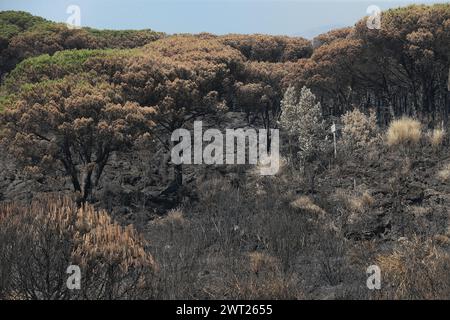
[403, 132]
[436, 138]
[360, 203]
[305, 203]
[174, 218]
[355, 201]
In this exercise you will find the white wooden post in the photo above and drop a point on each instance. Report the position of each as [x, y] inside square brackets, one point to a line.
[333, 130]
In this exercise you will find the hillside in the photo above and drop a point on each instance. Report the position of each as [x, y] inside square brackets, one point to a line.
[86, 125]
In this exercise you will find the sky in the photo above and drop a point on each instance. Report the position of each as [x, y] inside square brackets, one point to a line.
[306, 18]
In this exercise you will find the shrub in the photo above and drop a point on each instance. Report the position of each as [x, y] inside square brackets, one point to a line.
[41, 240]
[415, 270]
[359, 130]
[404, 131]
[302, 118]
[46, 67]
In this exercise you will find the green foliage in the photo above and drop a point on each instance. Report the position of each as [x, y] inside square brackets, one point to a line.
[13, 22]
[6, 101]
[23, 35]
[8, 30]
[46, 67]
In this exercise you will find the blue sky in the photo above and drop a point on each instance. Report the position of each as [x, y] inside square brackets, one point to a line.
[290, 17]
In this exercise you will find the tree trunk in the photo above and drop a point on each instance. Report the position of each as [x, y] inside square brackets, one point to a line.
[178, 174]
[87, 186]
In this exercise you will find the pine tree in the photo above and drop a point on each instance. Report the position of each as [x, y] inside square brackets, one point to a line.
[302, 119]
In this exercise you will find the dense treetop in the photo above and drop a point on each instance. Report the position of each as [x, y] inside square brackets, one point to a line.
[260, 47]
[23, 35]
[401, 68]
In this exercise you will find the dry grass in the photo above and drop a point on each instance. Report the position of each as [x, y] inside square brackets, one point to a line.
[261, 262]
[405, 131]
[305, 203]
[53, 233]
[442, 239]
[354, 201]
[360, 203]
[444, 173]
[436, 138]
[416, 269]
[354, 204]
[269, 287]
[265, 280]
[174, 218]
[420, 210]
